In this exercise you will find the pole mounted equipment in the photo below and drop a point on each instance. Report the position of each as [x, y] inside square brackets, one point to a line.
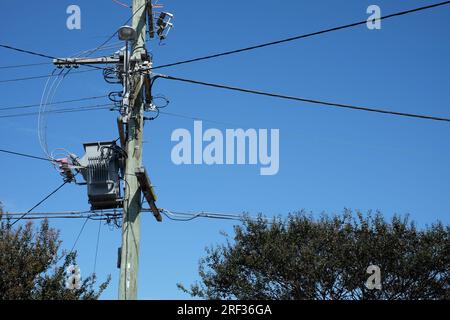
[105, 164]
[127, 33]
[164, 25]
[101, 168]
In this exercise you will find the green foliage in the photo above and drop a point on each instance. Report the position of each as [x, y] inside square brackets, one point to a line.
[29, 266]
[303, 258]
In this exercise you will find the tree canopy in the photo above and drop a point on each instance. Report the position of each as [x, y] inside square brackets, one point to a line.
[327, 258]
[31, 267]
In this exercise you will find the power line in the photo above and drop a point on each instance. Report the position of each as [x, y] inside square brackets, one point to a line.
[188, 117]
[53, 58]
[172, 215]
[96, 246]
[308, 35]
[79, 235]
[325, 103]
[109, 212]
[188, 216]
[53, 103]
[117, 31]
[100, 215]
[25, 65]
[112, 46]
[33, 53]
[122, 4]
[42, 55]
[40, 202]
[43, 76]
[99, 107]
[25, 155]
[90, 217]
[88, 52]
[106, 106]
[73, 110]
[38, 54]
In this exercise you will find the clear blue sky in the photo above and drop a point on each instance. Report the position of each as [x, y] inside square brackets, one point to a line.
[329, 158]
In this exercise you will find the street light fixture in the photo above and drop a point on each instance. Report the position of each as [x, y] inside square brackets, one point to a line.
[127, 33]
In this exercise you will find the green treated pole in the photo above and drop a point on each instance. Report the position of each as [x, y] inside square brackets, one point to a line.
[131, 228]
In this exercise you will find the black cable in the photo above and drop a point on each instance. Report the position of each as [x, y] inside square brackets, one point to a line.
[325, 103]
[61, 217]
[115, 97]
[69, 213]
[76, 240]
[172, 216]
[308, 35]
[90, 53]
[40, 202]
[79, 235]
[153, 118]
[43, 76]
[27, 51]
[25, 155]
[188, 117]
[117, 31]
[25, 65]
[96, 246]
[59, 111]
[53, 103]
[91, 215]
[111, 76]
[160, 97]
[180, 219]
[45, 55]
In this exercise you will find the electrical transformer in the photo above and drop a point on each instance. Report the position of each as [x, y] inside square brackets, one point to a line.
[101, 167]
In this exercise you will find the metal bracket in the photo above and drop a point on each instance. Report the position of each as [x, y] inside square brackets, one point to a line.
[147, 190]
[79, 61]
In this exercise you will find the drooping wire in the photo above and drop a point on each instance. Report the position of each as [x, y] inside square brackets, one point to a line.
[112, 46]
[186, 216]
[160, 97]
[44, 98]
[195, 118]
[76, 240]
[106, 106]
[53, 103]
[42, 129]
[317, 102]
[117, 31]
[40, 202]
[2, 45]
[89, 52]
[26, 65]
[122, 4]
[106, 217]
[110, 75]
[24, 155]
[308, 35]
[43, 76]
[49, 100]
[44, 55]
[96, 246]
[94, 68]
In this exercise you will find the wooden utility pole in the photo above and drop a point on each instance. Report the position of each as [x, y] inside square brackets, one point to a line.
[136, 79]
[131, 227]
